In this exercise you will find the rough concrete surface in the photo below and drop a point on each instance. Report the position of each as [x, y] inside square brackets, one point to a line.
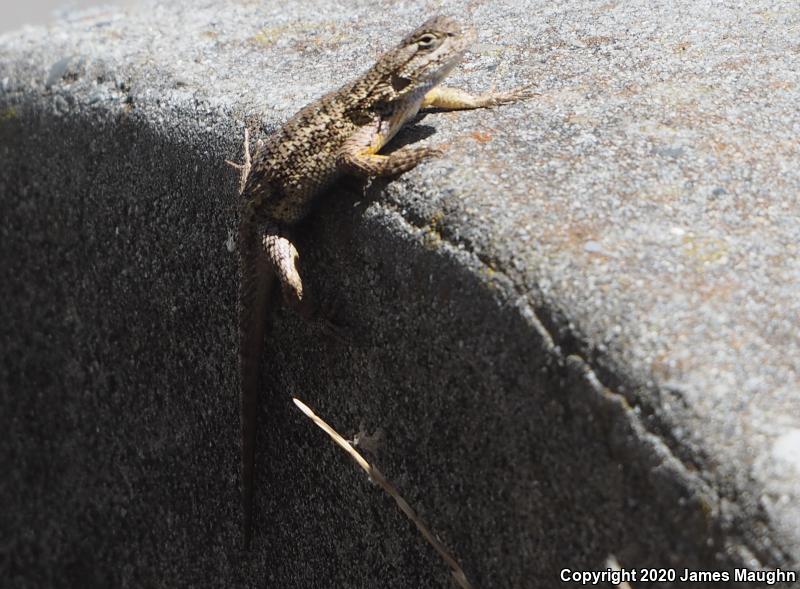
[577, 330]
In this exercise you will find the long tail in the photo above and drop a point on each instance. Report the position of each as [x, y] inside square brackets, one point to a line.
[255, 281]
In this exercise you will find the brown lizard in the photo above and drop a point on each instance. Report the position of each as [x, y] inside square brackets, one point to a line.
[342, 132]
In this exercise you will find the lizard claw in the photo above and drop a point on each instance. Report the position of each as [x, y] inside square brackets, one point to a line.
[499, 98]
[333, 330]
[325, 317]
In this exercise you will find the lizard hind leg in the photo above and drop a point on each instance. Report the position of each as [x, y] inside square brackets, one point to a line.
[283, 257]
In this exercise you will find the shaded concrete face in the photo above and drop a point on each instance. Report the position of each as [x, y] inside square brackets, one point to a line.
[119, 396]
[543, 404]
[102, 420]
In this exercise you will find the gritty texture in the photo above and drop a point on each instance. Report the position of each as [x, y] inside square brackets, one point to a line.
[578, 329]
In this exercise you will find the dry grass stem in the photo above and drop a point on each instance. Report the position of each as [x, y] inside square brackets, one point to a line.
[613, 564]
[375, 474]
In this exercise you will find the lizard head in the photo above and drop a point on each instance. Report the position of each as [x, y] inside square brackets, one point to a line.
[425, 57]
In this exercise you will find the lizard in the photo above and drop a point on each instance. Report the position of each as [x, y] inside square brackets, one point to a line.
[340, 133]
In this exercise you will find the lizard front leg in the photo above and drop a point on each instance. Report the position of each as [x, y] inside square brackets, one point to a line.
[359, 154]
[446, 98]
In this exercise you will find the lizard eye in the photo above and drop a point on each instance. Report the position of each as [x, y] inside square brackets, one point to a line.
[426, 41]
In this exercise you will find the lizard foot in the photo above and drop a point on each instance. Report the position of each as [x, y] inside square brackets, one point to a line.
[493, 98]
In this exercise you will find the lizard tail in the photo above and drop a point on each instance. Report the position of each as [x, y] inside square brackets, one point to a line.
[254, 284]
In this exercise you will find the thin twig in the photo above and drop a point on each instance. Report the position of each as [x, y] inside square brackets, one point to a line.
[376, 475]
[244, 168]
